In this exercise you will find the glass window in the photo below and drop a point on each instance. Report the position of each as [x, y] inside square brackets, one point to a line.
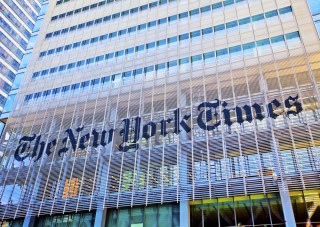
[81, 25]
[89, 23]
[116, 78]
[142, 26]
[24, 61]
[47, 93]
[277, 39]
[126, 74]
[172, 40]
[98, 21]
[130, 50]
[140, 48]
[65, 88]
[151, 45]
[194, 12]
[73, 28]
[56, 33]
[85, 42]
[272, 13]
[196, 58]
[172, 63]
[56, 91]
[219, 27]
[85, 8]
[263, 42]
[119, 53]
[89, 61]
[195, 34]
[184, 61]
[77, 44]
[112, 35]
[65, 30]
[71, 65]
[48, 35]
[75, 86]
[77, 11]
[28, 97]
[37, 95]
[284, 10]
[149, 69]
[134, 10]
[162, 21]
[228, 2]
[160, 66]
[95, 82]
[153, 4]
[103, 37]
[248, 46]
[109, 56]
[107, 18]
[209, 55]
[116, 15]
[59, 49]
[93, 6]
[68, 47]
[222, 52]
[258, 17]
[143, 7]
[232, 24]
[235, 49]
[17, 81]
[152, 24]
[85, 84]
[314, 6]
[183, 37]
[206, 31]
[80, 63]
[105, 80]
[161, 42]
[292, 35]
[246, 20]
[7, 107]
[37, 25]
[99, 58]
[132, 29]
[62, 68]
[94, 40]
[137, 72]
[217, 5]
[173, 18]
[53, 70]
[161, 2]
[183, 15]
[124, 13]
[205, 9]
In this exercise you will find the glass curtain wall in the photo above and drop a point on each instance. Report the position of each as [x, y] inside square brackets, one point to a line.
[306, 207]
[12, 223]
[144, 216]
[69, 220]
[254, 210]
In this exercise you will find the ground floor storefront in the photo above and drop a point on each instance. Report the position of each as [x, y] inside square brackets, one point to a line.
[246, 211]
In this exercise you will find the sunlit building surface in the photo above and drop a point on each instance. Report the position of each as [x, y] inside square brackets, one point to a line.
[167, 113]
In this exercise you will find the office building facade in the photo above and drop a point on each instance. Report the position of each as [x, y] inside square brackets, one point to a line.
[167, 113]
[18, 20]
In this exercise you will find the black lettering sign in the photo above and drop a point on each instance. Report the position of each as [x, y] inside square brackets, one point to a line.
[208, 119]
